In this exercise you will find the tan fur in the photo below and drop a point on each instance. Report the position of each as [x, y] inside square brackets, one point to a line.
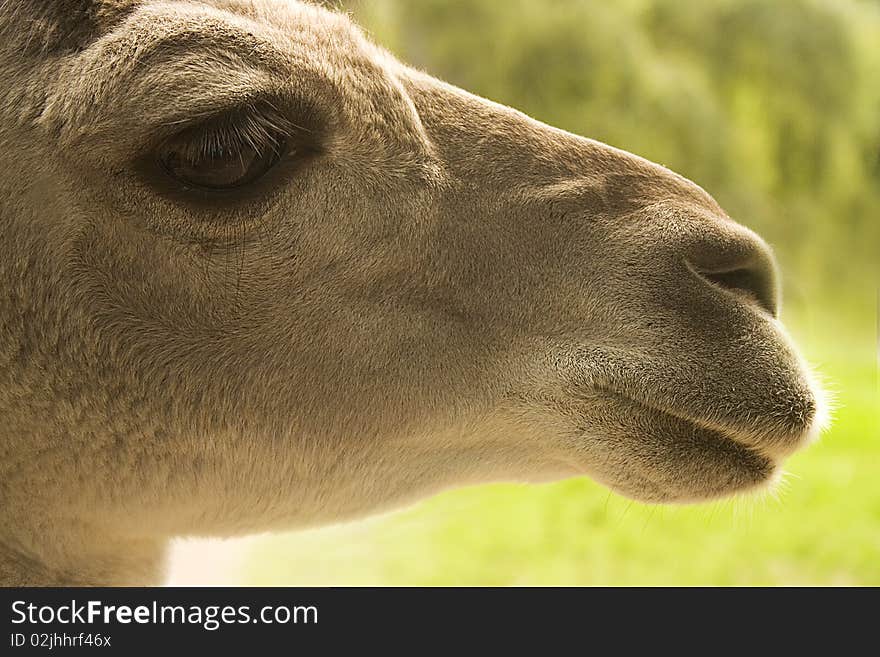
[448, 293]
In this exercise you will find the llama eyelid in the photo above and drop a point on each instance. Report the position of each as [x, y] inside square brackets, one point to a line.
[229, 153]
[257, 119]
[276, 146]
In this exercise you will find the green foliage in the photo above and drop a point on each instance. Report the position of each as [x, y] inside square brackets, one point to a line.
[774, 107]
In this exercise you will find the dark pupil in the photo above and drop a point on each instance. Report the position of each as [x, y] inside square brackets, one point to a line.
[220, 168]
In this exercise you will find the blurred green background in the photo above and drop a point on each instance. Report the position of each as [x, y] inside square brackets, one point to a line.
[774, 107]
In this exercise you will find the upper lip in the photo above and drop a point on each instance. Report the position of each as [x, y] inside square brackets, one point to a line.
[767, 442]
[687, 417]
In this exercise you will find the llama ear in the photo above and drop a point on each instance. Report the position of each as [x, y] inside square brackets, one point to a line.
[58, 25]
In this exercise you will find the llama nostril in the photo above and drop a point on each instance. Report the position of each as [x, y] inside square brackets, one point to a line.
[733, 259]
[756, 282]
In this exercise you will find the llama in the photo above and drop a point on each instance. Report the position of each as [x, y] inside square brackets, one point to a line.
[257, 274]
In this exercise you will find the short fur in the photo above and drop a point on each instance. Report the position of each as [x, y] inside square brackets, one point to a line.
[444, 292]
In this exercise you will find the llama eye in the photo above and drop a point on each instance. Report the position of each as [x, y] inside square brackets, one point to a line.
[219, 166]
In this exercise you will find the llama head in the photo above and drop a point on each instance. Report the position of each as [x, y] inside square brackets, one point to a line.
[257, 273]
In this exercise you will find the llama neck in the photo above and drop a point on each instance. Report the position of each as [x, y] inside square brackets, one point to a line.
[58, 560]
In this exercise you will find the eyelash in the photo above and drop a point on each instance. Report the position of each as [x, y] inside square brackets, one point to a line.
[260, 124]
[255, 127]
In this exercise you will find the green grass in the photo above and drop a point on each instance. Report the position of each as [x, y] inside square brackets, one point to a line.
[822, 528]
